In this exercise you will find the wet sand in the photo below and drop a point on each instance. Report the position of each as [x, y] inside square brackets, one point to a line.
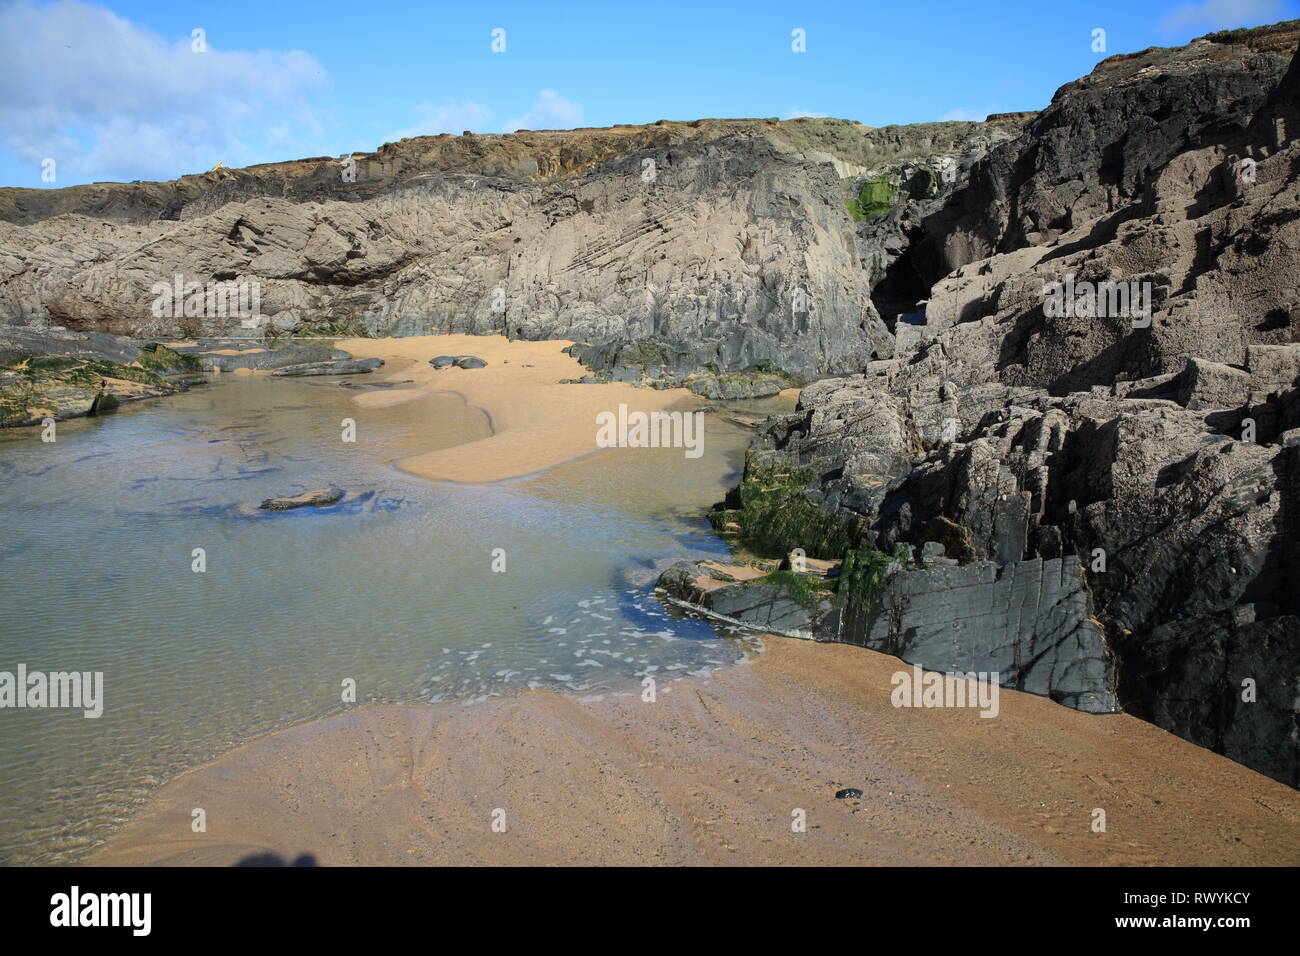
[537, 422]
[712, 772]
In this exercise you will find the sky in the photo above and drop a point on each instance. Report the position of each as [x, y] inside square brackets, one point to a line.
[153, 89]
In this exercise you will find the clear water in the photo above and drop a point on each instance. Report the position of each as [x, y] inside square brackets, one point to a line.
[393, 587]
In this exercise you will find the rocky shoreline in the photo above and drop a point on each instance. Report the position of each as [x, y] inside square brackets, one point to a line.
[1050, 416]
[1119, 492]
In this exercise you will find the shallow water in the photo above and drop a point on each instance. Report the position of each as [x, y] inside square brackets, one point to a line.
[393, 588]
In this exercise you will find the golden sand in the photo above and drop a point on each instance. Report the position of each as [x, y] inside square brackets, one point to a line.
[536, 422]
[713, 772]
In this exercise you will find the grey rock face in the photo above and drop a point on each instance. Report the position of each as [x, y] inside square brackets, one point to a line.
[1153, 450]
[1096, 147]
[737, 252]
[1029, 621]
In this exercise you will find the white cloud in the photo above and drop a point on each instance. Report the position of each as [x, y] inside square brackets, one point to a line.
[109, 99]
[550, 111]
[1209, 15]
[965, 116]
[452, 117]
[798, 114]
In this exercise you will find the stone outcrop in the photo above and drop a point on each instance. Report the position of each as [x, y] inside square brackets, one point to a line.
[1155, 447]
[720, 244]
[1028, 621]
[65, 375]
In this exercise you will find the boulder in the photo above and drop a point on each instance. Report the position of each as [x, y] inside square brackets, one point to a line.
[459, 361]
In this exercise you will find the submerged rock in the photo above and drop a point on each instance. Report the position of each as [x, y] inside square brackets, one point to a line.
[320, 498]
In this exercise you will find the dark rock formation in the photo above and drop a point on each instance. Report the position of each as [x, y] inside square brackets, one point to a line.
[459, 361]
[62, 375]
[1156, 447]
[1031, 622]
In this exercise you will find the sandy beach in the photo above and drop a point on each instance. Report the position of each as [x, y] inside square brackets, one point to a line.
[712, 772]
[536, 422]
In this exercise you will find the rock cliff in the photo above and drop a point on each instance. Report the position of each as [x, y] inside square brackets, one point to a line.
[1102, 363]
[724, 246]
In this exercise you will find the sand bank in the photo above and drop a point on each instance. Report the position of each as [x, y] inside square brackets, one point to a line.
[537, 423]
[712, 772]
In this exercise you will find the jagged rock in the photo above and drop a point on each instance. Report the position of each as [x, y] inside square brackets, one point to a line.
[1093, 150]
[739, 252]
[1156, 452]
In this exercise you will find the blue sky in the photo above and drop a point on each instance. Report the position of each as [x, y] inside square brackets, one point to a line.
[116, 90]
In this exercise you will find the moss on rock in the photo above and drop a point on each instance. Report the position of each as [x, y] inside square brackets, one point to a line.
[863, 574]
[875, 198]
[33, 386]
[774, 516]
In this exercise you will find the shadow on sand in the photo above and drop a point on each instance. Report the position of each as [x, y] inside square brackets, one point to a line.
[275, 859]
